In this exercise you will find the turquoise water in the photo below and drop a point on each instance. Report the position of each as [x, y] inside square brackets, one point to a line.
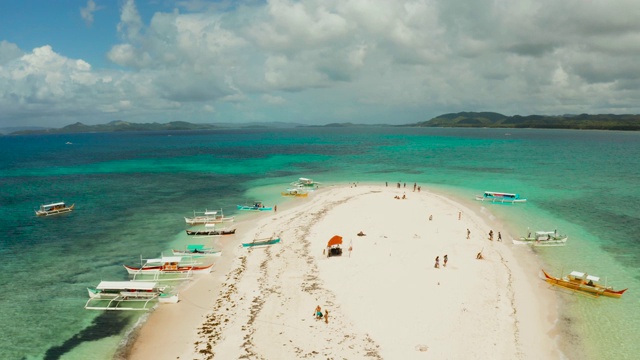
[132, 191]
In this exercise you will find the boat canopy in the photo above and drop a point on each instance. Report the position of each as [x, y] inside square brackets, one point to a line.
[581, 275]
[126, 285]
[207, 212]
[166, 259]
[495, 193]
[54, 204]
[195, 247]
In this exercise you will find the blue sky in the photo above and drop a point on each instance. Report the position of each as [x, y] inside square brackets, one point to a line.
[313, 61]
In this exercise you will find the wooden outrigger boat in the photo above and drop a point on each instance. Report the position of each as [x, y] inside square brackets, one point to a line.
[257, 206]
[128, 295]
[208, 217]
[262, 242]
[197, 250]
[579, 281]
[306, 183]
[210, 231]
[500, 197]
[296, 192]
[543, 238]
[54, 209]
[168, 265]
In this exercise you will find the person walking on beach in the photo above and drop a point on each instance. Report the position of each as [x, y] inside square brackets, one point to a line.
[326, 316]
[444, 260]
[499, 236]
[491, 235]
[437, 265]
[459, 215]
[468, 233]
[275, 208]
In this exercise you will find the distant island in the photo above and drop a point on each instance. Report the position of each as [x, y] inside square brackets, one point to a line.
[461, 119]
[496, 120]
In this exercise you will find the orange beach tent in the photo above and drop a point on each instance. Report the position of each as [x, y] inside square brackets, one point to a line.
[335, 240]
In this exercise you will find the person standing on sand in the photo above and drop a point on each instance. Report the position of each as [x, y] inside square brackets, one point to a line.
[326, 316]
[459, 215]
[491, 235]
[445, 259]
[275, 208]
[318, 312]
[499, 236]
[468, 233]
[437, 265]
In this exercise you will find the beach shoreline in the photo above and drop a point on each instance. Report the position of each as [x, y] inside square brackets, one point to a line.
[386, 299]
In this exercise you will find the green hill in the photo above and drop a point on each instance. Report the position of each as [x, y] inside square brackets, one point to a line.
[496, 120]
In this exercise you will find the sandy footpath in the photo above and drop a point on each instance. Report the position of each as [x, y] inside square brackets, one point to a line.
[385, 298]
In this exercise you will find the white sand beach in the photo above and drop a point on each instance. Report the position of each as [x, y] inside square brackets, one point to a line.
[385, 298]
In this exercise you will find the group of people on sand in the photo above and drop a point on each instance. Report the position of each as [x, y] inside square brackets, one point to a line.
[404, 196]
[444, 262]
[491, 235]
[400, 185]
[319, 315]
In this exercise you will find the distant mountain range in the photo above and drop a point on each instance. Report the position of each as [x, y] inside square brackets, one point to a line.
[496, 120]
[461, 119]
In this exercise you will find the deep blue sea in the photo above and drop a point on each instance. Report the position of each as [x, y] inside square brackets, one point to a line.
[132, 191]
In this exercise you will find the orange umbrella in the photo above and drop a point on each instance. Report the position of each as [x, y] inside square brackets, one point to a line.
[335, 240]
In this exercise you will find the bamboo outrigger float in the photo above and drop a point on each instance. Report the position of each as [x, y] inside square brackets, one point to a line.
[579, 281]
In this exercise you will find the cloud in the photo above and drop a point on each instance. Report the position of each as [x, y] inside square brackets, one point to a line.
[87, 12]
[9, 52]
[344, 60]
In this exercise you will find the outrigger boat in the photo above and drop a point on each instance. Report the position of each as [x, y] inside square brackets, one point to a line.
[306, 183]
[580, 281]
[128, 295]
[500, 197]
[207, 217]
[262, 242]
[297, 192]
[168, 265]
[543, 238]
[197, 250]
[54, 209]
[210, 231]
[257, 206]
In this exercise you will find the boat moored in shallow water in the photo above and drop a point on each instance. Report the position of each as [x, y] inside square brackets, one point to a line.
[580, 281]
[543, 238]
[500, 197]
[208, 217]
[257, 206]
[128, 295]
[196, 250]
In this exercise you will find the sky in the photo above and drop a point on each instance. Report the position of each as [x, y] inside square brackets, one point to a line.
[313, 61]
